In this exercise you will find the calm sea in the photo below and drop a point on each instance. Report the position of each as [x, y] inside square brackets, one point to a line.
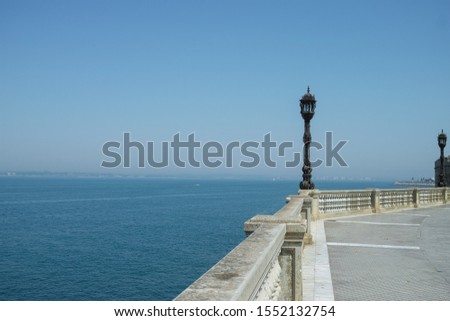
[124, 239]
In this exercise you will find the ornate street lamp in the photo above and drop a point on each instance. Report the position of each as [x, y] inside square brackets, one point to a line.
[307, 108]
[442, 141]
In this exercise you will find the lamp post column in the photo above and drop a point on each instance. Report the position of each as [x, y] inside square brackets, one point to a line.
[307, 109]
[442, 141]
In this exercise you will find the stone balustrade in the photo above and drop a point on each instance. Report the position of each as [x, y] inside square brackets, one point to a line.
[335, 203]
[249, 272]
[267, 264]
[395, 198]
[343, 201]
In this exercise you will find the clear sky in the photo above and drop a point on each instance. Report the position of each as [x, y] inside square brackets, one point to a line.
[76, 74]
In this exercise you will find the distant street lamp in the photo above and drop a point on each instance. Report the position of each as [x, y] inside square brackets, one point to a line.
[442, 141]
[307, 108]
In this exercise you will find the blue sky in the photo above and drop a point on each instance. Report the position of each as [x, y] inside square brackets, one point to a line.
[76, 74]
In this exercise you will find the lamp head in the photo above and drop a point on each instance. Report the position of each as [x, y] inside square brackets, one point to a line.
[442, 139]
[308, 105]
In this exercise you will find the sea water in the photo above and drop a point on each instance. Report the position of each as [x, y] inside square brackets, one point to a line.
[125, 239]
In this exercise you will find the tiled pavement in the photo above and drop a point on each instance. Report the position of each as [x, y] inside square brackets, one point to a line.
[403, 255]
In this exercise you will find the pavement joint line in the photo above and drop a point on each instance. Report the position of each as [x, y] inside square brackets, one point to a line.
[381, 246]
[374, 223]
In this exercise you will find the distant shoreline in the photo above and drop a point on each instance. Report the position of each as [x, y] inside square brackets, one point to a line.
[414, 183]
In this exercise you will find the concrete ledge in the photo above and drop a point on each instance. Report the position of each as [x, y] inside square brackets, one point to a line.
[294, 217]
[293, 225]
[290, 215]
[240, 275]
[292, 209]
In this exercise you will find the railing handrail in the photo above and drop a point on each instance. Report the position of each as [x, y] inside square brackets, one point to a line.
[265, 266]
[369, 190]
[240, 274]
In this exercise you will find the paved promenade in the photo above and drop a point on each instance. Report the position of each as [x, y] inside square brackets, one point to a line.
[402, 255]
